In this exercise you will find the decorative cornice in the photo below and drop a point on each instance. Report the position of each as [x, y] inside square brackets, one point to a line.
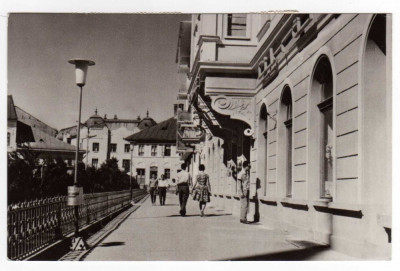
[240, 108]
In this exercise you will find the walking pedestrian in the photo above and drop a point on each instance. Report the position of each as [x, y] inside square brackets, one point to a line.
[183, 183]
[153, 188]
[162, 189]
[172, 186]
[202, 189]
[244, 191]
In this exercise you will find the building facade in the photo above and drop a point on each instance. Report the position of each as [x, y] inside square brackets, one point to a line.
[306, 99]
[25, 132]
[103, 138]
[154, 152]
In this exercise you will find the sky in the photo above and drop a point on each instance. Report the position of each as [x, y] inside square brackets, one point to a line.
[135, 67]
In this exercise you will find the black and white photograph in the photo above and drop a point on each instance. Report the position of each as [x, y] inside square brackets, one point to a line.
[198, 136]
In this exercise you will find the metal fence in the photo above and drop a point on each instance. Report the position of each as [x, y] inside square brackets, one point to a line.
[34, 225]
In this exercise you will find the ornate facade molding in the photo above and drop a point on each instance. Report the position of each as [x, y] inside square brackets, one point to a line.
[239, 108]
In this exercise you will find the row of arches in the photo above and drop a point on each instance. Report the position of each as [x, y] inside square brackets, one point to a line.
[321, 106]
[320, 110]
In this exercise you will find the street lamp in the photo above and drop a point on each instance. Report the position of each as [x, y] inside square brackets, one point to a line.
[75, 193]
[130, 177]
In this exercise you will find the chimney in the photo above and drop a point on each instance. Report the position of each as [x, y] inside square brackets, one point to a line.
[115, 117]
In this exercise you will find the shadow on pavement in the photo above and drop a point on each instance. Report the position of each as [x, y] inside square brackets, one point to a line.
[211, 215]
[254, 223]
[112, 244]
[181, 216]
[206, 215]
[291, 255]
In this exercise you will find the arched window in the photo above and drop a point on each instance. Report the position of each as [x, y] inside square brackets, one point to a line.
[376, 112]
[286, 110]
[263, 149]
[322, 90]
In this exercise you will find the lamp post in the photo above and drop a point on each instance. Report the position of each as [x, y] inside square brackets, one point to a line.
[130, 177]
[75, 194]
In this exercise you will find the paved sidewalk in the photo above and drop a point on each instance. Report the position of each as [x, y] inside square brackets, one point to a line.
[160, 233]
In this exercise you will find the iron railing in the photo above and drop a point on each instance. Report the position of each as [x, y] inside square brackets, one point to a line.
[36, 224]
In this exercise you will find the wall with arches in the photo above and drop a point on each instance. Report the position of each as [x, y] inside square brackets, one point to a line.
[335, 164]
[320, 153]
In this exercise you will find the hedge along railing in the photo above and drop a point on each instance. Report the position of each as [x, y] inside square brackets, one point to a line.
[34, 225]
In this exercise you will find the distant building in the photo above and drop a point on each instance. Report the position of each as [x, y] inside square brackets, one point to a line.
[103, 138]
[154, 152]
[25, 132]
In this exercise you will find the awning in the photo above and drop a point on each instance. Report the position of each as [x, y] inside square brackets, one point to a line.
[204, 111]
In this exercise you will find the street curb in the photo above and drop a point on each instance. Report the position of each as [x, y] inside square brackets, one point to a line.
[99, 236]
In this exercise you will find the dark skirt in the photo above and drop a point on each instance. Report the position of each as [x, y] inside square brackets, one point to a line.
[202, 194]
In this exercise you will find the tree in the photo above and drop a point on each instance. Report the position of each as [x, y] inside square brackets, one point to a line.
[111, 177]
[30, 177]
[23, 175]
[55, 179]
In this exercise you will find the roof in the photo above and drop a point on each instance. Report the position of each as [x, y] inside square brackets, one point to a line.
[69, 130]
[146, 123]
[46, 142]
[30, 120]
[11, 113]
[122, 120]
[95, 121]
[164, 132]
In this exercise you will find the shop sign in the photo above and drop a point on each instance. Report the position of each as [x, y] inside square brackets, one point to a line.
[191, 134]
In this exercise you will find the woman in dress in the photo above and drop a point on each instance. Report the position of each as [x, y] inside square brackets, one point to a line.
[202, 189]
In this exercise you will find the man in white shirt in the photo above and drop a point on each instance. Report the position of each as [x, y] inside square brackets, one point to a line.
[153, 188]
[244, 191]
[183, 183]
[162, 189]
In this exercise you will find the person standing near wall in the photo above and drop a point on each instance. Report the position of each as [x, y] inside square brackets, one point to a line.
[202, 189]
[162, 189]
[244, 191]
[153, 188]
[183, 183]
